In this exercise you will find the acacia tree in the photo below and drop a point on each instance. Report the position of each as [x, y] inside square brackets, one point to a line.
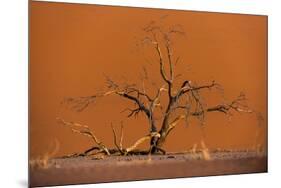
[179, 103]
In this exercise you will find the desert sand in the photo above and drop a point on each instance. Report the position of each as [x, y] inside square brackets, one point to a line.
[81, 170]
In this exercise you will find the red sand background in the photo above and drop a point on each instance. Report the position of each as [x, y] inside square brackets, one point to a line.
[72, 45]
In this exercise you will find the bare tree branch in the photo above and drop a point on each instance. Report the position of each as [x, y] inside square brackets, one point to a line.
[186, 87]
[121, 136]
[162, 70]
[138, 92]
[115, 140]
[84, 130]
[142, 140]
[236, 105]
[171, 65]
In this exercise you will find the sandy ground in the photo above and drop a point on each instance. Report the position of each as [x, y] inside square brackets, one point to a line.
[81, 170]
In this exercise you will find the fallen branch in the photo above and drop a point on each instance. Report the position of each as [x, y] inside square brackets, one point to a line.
[84, 130]
[141, 140]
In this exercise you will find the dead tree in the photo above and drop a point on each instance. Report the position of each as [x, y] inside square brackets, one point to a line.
[181, 103]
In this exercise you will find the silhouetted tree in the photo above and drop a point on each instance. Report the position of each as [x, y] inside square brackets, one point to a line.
[179, 103]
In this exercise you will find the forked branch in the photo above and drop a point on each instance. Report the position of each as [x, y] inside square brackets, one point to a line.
[84, 130]
[237, 104]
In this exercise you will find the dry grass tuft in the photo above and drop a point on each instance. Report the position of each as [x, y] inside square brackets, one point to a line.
[43, 161]
[201, 153]
[205, 151]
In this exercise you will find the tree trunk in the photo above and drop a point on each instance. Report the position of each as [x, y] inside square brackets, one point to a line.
[165, 125]
[156, 143]
[163, 133]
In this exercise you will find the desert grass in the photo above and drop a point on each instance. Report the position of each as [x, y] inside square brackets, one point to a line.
[43, 161]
